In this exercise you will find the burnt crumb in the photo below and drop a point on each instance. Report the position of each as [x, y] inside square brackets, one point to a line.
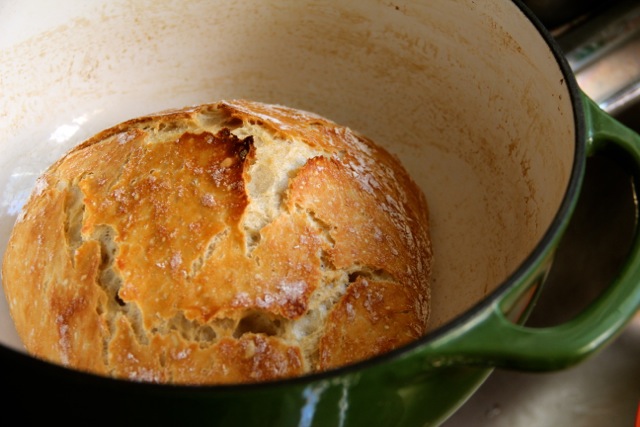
[241, 147]
[119, 300]
[246, 143]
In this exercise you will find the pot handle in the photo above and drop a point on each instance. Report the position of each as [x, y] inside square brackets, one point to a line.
[491, 340]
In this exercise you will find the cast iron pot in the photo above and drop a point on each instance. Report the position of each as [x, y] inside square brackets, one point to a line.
[473, 96]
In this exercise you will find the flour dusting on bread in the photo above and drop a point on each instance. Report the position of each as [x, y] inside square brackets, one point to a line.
[223, 243]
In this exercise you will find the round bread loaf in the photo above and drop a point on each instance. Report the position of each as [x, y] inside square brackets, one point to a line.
[224, 243]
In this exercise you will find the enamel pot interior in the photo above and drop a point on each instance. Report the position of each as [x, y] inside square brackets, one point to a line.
[466, 93]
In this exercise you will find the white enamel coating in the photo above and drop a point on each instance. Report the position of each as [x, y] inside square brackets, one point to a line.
[467, 96]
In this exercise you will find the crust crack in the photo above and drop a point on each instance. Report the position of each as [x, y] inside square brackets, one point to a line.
[259, 322]
[121, 170]
[209, 333]
[191, 330]
[200, 261]
[74, 216]
[369, 273]
[110, 281]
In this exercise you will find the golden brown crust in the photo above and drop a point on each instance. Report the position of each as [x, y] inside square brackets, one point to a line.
[224, 243]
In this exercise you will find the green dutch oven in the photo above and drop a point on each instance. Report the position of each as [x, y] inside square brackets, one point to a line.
[473, 96]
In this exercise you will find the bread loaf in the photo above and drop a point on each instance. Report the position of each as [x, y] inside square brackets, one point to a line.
[223, 243]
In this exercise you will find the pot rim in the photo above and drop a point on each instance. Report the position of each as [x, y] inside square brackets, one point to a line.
[541, 249]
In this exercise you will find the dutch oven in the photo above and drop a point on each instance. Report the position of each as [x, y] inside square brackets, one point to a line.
[473, 96]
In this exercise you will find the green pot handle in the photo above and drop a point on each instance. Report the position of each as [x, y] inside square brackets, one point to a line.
[491, 340]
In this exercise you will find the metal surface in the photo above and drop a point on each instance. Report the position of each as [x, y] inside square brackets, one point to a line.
[604, 390]
[605, 56]
[553, 13]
